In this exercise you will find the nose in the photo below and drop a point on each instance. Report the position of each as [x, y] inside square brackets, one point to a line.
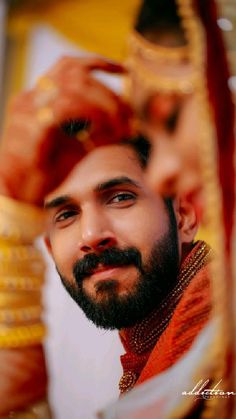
[96, 234]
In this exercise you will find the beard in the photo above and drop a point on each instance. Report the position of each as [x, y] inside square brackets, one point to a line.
[155, 279]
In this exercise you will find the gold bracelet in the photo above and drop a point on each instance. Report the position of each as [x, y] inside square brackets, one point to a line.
[10, 316]
[24, 268]
[22, 336]
[21, 283]
[21, 275]
[20, 222]
[19, 299]
[18, 254]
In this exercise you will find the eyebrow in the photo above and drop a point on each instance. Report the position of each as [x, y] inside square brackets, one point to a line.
[118, 181]
[56, 202]
[109, 184]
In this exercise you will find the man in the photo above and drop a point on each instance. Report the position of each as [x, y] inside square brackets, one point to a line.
[130, 374]
[110, 236]
[118, 248]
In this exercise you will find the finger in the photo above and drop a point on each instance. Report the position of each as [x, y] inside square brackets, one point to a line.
[23, 102]
[84, 64]
[107, 66]
[92, 63]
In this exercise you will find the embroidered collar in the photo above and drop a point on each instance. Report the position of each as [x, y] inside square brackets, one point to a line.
[139, 340]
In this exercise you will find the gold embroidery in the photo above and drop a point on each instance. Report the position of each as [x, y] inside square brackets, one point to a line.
[127, 381]
[147, 332]
[143, 341]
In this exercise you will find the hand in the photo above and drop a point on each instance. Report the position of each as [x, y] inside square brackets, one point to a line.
[23, 378]
[39, 145]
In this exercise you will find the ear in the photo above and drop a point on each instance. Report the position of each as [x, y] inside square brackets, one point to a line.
[48, 244]
[187, 220]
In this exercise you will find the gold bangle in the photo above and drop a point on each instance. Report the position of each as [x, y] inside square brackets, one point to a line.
[32, 313]
[21, 283]
[19, 299]
[18, 254]
[20, 261]
[20, 222]
[24, 268]
[22, 336]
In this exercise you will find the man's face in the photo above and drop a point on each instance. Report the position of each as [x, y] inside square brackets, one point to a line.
[113, 241]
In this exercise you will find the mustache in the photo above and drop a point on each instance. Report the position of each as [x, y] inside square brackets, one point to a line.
[109, 257]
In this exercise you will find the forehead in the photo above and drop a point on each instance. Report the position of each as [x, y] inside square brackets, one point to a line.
[101, 165]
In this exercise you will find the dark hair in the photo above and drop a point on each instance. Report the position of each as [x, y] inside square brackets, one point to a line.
[156, 14]
[142, 148]
[157, 18]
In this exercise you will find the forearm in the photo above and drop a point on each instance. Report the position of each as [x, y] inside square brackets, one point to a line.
[23, 378]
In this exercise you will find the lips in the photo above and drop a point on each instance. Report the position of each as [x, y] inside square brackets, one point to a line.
[102, 268]
[104, 272]
[110, 260]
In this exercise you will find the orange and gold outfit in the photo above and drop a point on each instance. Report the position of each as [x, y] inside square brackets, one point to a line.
[157, 342]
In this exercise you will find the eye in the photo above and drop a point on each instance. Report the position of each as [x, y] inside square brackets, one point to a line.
[123, 199]
[65, 215]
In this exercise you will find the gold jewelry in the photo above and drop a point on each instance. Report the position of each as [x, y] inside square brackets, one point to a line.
[144, 57]
[18, 254]
[138, 45]
[24, 268]
[158, 82]
[22, 336]
[127, 381]
[21, 274]
[19, 222]
[144, 338]
[20, 283]
[20, 261]
[27, 314]
[19, 298]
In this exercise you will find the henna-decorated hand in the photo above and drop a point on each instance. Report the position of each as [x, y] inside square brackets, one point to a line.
[52, 126]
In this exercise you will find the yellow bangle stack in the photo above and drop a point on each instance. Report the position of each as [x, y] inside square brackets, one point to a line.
[21, 275]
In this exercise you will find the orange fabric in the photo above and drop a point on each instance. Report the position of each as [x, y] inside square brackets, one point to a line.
[190, 316]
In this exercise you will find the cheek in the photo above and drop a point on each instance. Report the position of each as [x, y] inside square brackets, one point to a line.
[142, 226]
[63, 251]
